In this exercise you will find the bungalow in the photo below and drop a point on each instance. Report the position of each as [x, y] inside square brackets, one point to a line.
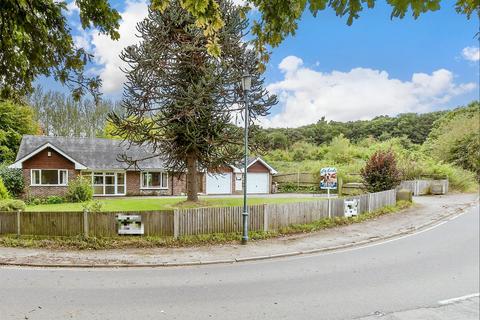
[50, 163]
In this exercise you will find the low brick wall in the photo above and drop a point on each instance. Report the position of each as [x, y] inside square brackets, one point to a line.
[45, 191]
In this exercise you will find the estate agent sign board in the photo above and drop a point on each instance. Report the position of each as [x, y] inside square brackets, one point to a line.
[328, 178]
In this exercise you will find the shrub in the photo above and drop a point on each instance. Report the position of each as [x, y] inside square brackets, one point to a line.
[13, 180]
[466, 153]
[36, 201]
[54, 200]
[93, 206]
[381, 173]
[454, 137]
[79, 190]
[48, 200]
[12, 205]
[4, 194]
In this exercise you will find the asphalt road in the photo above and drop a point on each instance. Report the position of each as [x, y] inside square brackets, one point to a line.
[408, 273]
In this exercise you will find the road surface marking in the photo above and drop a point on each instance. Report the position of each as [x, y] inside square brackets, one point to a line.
[457, 299]
[299, 256]
[392, 239]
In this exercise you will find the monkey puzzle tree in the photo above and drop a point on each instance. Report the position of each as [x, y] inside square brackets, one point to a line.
[180, 101]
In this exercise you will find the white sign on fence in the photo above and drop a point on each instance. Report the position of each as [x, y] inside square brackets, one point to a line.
[351, 207]
[130, 224]
[328, 178]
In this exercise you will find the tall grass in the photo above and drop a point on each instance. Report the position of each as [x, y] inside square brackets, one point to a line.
[412, 160]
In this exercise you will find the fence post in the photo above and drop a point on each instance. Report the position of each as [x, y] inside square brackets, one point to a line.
[329, 204]
[369, 203]
[18, 222]
[265, 217]
[298, 180]
[176, 223]
[85, 223]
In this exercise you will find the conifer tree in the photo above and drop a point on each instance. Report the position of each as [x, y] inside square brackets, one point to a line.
[180, 101]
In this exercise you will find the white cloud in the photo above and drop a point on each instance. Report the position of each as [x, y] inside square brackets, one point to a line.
[306, 95]
[82, 41]
[290, 64]
[471, 53]
[72, 8]
[107, 51]
[240, 2]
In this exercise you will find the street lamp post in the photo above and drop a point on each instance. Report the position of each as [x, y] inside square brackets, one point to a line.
[246, 85]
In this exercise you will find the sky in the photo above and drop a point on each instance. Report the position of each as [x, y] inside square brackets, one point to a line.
[377, 66]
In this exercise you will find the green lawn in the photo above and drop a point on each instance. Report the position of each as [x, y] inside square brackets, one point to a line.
[145, 204]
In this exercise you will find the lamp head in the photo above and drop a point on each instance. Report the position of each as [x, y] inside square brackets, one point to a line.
[246, 82]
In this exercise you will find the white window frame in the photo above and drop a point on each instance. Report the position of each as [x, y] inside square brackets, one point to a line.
[104, 174]
[32, 184]
[162, 173]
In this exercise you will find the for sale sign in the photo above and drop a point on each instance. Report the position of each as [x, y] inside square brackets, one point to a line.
[328, 178]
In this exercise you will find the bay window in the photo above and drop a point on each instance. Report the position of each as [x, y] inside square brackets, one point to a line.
[154, 180]
[49, 177]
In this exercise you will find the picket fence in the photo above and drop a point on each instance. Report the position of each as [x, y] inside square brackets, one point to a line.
[183, 222]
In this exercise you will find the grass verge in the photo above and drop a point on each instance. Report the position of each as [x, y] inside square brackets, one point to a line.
[95, 243]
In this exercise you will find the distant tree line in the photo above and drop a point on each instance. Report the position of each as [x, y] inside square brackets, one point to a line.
[52, 113]
[58, 114]
[415, 127]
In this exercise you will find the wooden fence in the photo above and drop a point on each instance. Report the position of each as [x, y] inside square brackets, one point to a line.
[156, 223]
[281, 215]
[183, 222]
[298, 178]
[216, 220]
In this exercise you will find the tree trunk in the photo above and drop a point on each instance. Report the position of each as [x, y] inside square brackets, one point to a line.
[192, 181]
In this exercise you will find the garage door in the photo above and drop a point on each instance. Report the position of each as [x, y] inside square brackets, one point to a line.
[258, 183]
[220, 183]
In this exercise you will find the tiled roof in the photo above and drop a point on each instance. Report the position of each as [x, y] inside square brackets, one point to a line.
[93, 153]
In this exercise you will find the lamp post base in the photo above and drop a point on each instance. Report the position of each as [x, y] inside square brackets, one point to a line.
[245, 227]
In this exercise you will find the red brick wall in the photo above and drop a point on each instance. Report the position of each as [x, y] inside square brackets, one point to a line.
[45, 191]
[133, 183]
[42, 161]
[177, 185]
[133, 186]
